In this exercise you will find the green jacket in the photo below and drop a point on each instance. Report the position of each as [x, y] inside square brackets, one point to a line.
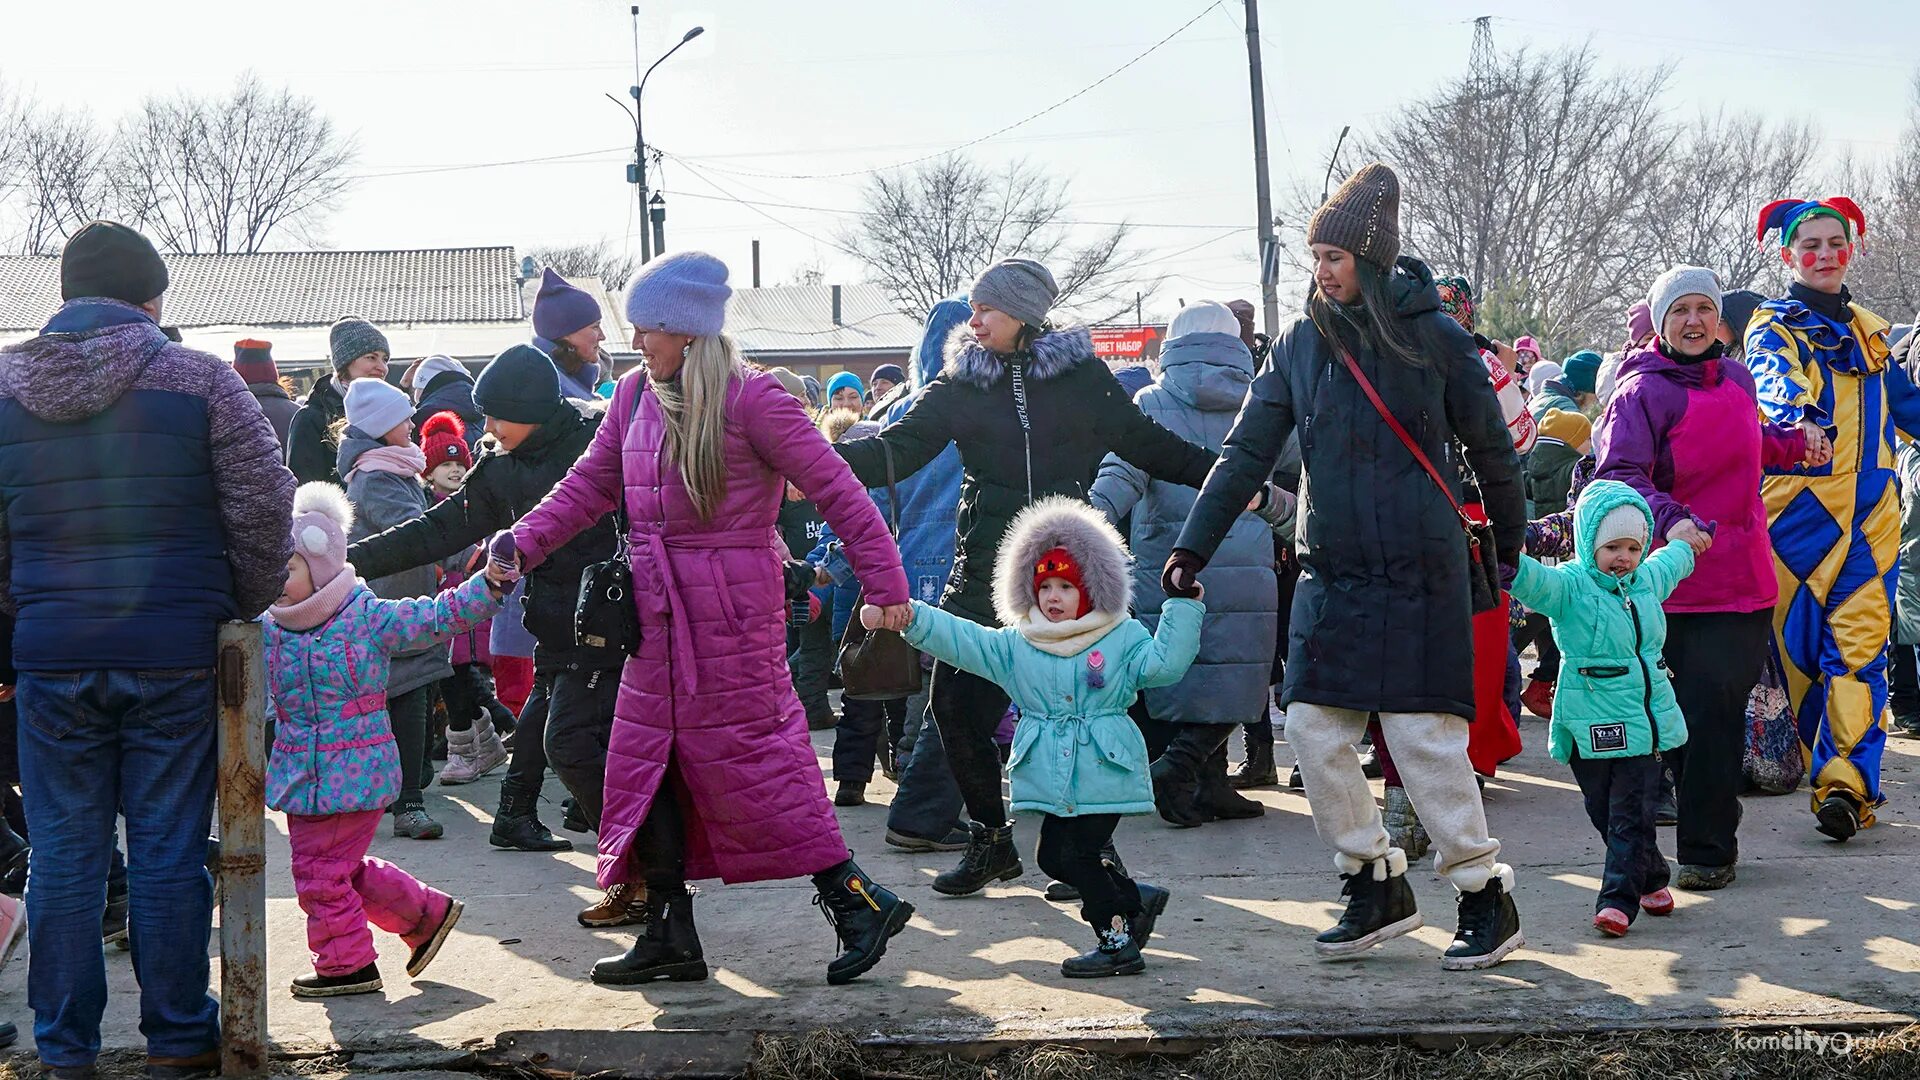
[1615, 696]
[1075, 749]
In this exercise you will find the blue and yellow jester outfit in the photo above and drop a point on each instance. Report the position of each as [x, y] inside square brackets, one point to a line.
[1835, 528]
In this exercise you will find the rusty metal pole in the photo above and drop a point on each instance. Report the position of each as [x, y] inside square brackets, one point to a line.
[243, 858]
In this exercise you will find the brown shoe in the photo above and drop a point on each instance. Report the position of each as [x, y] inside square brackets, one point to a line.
[624, 905]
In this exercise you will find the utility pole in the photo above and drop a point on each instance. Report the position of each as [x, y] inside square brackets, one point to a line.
[639, 144]
[1263, 188]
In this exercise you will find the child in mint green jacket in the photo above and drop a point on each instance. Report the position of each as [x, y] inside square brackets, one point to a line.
[1073, 661]
[1614, 707]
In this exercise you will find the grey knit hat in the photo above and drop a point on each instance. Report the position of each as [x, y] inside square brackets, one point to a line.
[1363, 217]
[352, 338]
[1020, 287]
[1677, 282]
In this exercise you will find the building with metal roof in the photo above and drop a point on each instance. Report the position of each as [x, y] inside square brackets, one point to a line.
[820, 330]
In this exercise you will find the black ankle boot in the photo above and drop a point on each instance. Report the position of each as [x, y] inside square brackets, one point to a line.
[1258, 769]
[1380, 906]
[572, 818]
[1116, 953]
[668, 946]
[516, 828]
[989, 858]
[1217, 796]
[863, 915]
[1177, 780]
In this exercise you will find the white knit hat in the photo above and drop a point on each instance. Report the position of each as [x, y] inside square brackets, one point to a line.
[1204, 317]
[376, 406]
[1678, 282]
[1623, 522]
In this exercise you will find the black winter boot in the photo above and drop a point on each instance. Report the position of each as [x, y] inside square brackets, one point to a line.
[1380, 906]
[668, 946]
[1258, 769]
[1217, 796]
[1060, 892]
[989, 857]
[572, 818]
[863, 916]
[1115, 954]
[1177, 780]
[517, 828]
[1153, 904]
[1489, 926]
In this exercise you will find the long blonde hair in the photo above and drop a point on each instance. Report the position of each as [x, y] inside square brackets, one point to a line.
[695, 409]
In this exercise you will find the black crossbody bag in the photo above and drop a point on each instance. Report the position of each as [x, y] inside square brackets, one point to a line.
[605, 615]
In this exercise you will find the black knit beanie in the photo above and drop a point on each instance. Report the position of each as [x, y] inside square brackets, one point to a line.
[520, 386]
[1363, 217]
[108, 259]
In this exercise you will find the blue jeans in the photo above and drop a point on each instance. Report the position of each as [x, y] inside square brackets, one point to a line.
[94, 744]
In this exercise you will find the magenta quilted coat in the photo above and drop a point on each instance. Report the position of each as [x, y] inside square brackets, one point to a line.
[709, 689]
[333, 750]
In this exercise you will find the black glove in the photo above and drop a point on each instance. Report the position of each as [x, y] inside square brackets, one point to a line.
[799, 575]
[1181, 578]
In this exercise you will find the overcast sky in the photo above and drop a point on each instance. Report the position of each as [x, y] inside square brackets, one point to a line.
[438, 93]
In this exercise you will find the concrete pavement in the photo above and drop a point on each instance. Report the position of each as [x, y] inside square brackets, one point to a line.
[1813, 932]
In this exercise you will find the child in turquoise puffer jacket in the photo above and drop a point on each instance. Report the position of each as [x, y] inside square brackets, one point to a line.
[1073, 661]
[1614, 707]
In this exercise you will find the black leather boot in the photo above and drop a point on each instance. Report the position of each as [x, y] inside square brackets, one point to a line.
[863, 915]
[668, 946]
[517, 828]
[1177, 779]
[1257, 770]
[989, 858]
[1217, 796]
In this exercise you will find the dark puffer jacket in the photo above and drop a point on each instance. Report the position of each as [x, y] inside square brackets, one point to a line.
[1013, 452]
[144, 499]
[1381, 615]
[311, 451]
[501, 488]
[452, 391]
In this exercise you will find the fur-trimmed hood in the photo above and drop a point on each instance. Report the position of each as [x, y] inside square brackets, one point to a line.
[1054, 352]
[1059, 521]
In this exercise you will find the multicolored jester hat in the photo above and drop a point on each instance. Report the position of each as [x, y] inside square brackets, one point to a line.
[1787, 214]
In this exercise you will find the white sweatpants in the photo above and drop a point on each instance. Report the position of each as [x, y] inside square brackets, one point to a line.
[1430, 751]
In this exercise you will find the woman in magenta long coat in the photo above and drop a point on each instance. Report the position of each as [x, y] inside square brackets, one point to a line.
[709, 769]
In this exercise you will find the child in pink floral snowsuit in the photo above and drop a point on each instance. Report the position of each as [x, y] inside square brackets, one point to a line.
[334, 768]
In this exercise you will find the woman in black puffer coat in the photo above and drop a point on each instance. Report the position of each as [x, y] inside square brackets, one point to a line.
[1382, 614]
[1033, 411]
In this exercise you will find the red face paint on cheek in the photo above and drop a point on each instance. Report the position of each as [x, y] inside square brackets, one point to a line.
[1846, 255]
[1808, 258]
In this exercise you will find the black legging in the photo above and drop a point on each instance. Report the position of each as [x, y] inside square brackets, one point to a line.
[527, 769]
[1069, 851]
[1716, 659]
[968, 710]
[660, 843]
[410, 714]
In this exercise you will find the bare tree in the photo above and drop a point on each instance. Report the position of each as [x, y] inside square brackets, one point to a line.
[59, 177]
[927, 232]
[1725, 169]
[614, 266]
[223, 174]
[1886, 275]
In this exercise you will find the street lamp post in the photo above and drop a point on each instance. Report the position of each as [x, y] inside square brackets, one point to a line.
[637, 172]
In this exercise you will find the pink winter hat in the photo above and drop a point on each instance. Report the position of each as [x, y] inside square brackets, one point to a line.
[1639, 321]
[1527, 344]
[322, 517]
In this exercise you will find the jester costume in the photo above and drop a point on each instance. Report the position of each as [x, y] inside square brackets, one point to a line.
[1835, 528]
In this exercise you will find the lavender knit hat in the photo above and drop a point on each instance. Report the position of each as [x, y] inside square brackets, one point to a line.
[560, 308]
[684, 293]
[322, 518]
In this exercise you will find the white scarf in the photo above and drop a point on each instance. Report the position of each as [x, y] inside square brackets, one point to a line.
[1069, 638]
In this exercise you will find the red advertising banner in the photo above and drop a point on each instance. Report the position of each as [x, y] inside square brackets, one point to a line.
[1127, 342]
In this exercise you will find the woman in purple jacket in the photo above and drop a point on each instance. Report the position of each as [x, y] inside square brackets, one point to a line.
[710, 772]
[1683, 429]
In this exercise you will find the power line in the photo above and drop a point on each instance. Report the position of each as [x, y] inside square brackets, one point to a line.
[426, 169]
[1022, 122]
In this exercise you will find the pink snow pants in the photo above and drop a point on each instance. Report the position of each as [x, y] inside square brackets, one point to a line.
[342, 889]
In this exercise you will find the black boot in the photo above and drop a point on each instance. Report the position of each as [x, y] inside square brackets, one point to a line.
[1380, 906]
[1062, 893]
[1176, 780]
[1838, 817]
[989, 858]
[1115, 954]
[1153, 903]
[668, 946]
[572, 818]
[863, 915]
[1489, 928]
[1258, 769]
[1217, 796]
[517, 828]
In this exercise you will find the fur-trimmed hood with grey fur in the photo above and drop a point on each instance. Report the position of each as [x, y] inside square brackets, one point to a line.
[1106, 566]
[1053, 352]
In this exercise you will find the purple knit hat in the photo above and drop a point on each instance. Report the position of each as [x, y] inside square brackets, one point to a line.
[683, 293]
[560, 309]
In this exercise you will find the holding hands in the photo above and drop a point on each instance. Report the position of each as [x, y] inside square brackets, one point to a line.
[1695, 537]
[1819, 447]
[894, 617]
[503, 561]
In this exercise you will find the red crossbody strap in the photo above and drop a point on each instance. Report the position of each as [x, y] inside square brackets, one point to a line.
[1405, 439]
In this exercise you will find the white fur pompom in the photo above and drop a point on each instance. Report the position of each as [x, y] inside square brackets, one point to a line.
[322, 497]
[313, 539]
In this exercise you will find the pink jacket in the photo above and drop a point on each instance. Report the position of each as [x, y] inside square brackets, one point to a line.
[709, 689]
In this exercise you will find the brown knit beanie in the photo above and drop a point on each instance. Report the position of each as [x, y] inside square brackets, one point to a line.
[1363, 217]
